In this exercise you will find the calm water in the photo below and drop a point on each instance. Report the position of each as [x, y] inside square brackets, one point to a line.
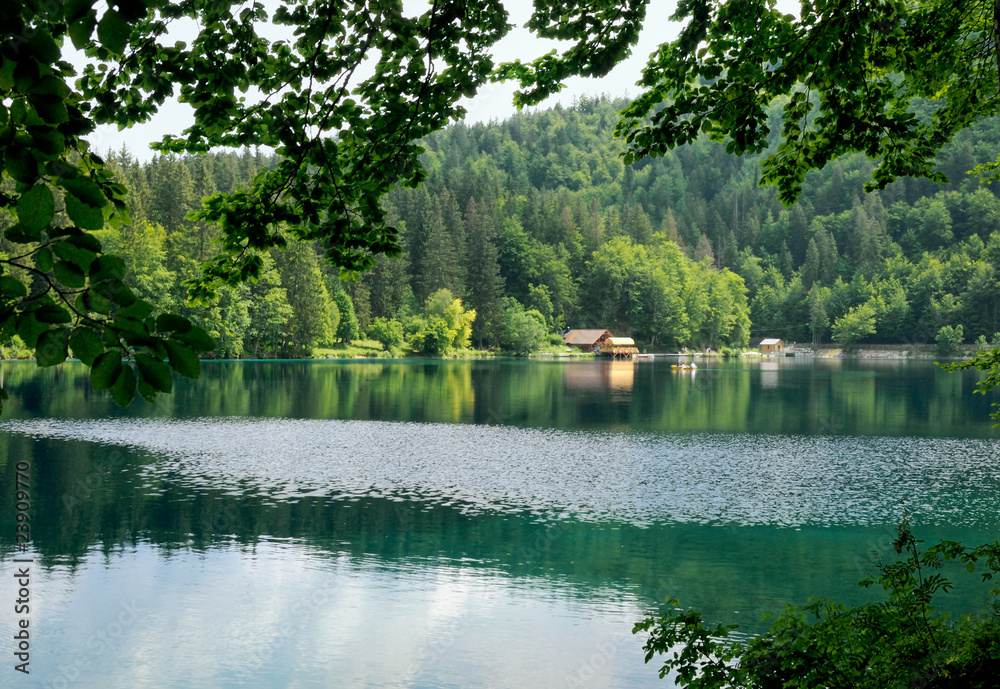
[464, 524]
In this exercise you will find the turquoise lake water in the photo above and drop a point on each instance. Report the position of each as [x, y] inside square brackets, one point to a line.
[465, 523]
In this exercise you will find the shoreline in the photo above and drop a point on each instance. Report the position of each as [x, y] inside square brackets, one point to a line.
[918, 352]
[926, 352]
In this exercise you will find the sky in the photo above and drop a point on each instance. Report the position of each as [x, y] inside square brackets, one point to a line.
[494, 101]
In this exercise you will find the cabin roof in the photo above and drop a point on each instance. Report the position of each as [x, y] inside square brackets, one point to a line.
[770, 341]
[585, 337]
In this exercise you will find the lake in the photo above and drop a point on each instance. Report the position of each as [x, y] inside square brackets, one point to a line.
[465, 523]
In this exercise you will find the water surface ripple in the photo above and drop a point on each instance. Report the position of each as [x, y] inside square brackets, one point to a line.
[632, 477]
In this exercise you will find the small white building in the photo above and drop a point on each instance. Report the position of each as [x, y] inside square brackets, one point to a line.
[771, 345]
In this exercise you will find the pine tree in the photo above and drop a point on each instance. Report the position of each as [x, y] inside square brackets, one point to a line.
[810, 267]
[486, 285]
[636, 224]
[440, 266]
[347, 329]
[612, 225]
[172, 194]
[704, 250]
[312, 321]
[669, 229]
[828, 257]
[817, 313]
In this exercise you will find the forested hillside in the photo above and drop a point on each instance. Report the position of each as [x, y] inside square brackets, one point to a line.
[575, 228]
[536, 225]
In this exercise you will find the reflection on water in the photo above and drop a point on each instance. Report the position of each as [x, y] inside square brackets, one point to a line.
[466, 524]
[782, 396]
[637, 478]
[280, 614]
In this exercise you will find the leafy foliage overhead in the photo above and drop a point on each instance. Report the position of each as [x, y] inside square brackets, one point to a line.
[847, 74]
[343, 141]
[344, 100]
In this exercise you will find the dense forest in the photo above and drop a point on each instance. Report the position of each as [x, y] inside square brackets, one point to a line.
[532, 225]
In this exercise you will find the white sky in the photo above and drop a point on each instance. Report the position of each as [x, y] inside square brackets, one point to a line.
[494, 101]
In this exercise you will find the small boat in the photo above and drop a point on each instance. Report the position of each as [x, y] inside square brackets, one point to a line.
[684, 367]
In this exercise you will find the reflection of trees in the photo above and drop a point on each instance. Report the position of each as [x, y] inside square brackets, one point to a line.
[880, 398]
[87, 496]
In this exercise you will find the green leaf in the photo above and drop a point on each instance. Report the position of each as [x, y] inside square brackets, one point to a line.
[12, 288]
[107, 267]
[113, 31]
[43, 259]
[44, 45]
[169, 322]
[49, 140]
[154, 372]
[36, 207]
[51, 347]
[183, 359]
[123, 391]
[81, 29]
[92, 301]
[117, 291]
[106, 370]
[81, 258]
[85, 189]
[130, 326]
[52, 109]
[19, 234]
[132, 10]
[74, 9]
[85, 241]
[29, 328]
[86, 345]
[52, 313]
[83, 215]
[69, 274]
[197, 339]
[138, 310]
[21, 164]
[147, 391]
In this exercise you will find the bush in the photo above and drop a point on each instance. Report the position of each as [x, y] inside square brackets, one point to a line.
[857, 324]
[442, 305]
[387, 331]
[521, 332]
[434, 340]
[556, 340]
[15, 348]
[900, 642]
[949, 340]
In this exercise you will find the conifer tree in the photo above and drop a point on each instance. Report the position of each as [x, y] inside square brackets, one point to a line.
[314, 316]
[485, 284]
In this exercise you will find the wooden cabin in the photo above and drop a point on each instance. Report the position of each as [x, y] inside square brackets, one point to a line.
[771, 345]
[618, 347]
[586, 340]
[601, 342]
